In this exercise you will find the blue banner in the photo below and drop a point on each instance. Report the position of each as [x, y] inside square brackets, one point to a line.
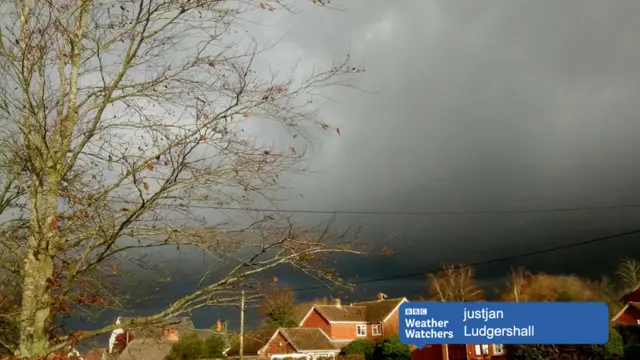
[425, 323]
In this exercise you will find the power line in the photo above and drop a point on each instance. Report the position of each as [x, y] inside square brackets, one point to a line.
[366, 212]
[486, 262]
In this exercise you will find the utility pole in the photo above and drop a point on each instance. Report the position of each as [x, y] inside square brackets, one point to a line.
[241, 324]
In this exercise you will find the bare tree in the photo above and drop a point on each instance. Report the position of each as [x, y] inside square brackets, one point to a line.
[278, 307]
[525, 286]
[281, 308]
[516, 281]
[125, 123]
[628, 274]
[454, 283]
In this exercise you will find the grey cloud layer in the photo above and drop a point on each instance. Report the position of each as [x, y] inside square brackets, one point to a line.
[493, 105]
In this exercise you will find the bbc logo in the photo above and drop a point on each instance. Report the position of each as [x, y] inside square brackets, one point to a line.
[418, 311]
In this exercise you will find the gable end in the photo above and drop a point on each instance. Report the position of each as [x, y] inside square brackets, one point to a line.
[404, 300]
[310, 312]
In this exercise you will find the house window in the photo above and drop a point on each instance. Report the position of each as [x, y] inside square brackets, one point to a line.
[376, 330]
[498, 349]
[485, 349]
[482, 349]
[361, 330]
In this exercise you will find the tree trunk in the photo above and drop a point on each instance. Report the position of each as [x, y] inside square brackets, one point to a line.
[36, 312]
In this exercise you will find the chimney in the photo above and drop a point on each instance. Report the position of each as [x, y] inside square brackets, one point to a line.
[170, 333]
[381, 296]
[337, 302]
[218, 326]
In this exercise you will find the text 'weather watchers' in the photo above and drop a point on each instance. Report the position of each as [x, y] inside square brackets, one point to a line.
[426, 328]
[503, 323]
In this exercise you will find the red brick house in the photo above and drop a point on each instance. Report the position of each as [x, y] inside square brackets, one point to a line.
[379, 319]
[486, 351]
[297, 343]
[460, 352]
[630, 313]
[373, 320]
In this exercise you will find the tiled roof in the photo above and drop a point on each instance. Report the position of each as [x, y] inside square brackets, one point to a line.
[379, 310]
[307, 339]
[342, 313]
[146, 349]
[253, 341]
[366, 311]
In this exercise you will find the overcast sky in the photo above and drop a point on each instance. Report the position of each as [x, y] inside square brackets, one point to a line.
[479, 106]
[492, 106]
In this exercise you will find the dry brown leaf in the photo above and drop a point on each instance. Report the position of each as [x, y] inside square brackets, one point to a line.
[150, 165]
[146, 186]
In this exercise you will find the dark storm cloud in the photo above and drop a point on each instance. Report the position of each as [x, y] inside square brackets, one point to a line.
[481, 106]
[503, 96]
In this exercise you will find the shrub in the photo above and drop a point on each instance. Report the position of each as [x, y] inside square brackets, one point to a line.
[281, 317]
[536, 352]
[612, 349]
[214, 345]
[391, 349]
[363, 347]
[190, 347]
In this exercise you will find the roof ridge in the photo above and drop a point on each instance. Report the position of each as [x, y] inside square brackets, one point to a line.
[301, 328]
